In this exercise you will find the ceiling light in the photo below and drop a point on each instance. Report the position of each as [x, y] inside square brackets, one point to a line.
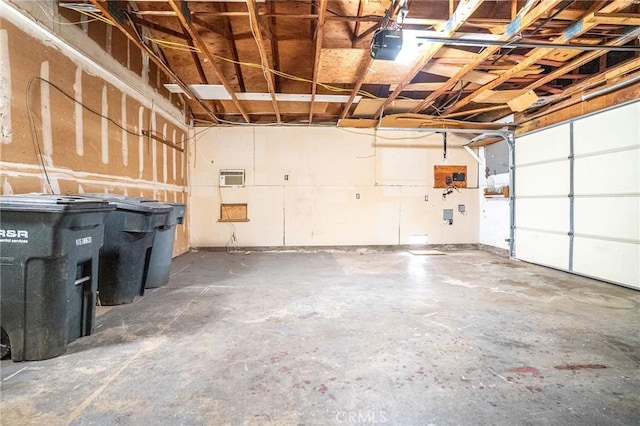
[218, 92]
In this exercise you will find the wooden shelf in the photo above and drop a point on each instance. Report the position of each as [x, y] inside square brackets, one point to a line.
[504, 193]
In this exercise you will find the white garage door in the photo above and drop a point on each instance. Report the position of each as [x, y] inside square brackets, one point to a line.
[577, 189]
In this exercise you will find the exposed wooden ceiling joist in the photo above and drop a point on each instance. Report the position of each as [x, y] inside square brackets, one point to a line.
[584, 59]
[465, 9]
[318, 48]
[520, 23]
[580, 27]
[264, 59]
[185, 20]
[144, 48]
[310, 48]
[228, 32]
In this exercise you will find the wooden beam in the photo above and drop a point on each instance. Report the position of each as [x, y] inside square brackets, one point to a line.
[627, 94]
[517, 25]
[609, 77]
[228, 31]
[102, 7]
[148, 134]
[463, 12]
[357, 86]
[274, 43]
[157, 27]
[268, 75]
[476, 111]
[574, 30]
[616, 18]
[356, 28]
[196, 58]
[318, 49]
[588, 57]
[185, 20]
[365, 70]
[367, 33]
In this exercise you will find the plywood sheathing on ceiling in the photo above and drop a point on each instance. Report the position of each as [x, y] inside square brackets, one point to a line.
[429, 87]
[497, 96]
[368, 107]
[447, 70]
[521, 21]
[564, 55]
[574, 32]
[293, 30]
[346, 65]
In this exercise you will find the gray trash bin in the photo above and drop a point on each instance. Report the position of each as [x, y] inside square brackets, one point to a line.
[128, 238]
[49, 248]
[162, 251]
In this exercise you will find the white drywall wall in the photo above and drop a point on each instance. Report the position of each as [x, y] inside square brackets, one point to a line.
[392, 173]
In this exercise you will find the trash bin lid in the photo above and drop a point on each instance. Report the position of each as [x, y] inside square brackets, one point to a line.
[135, 204]
[176, 216]
[51, 203]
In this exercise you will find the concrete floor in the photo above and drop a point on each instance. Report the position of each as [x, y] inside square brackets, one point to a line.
[467, 337]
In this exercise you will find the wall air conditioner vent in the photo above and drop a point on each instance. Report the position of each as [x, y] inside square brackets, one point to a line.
[232, 177]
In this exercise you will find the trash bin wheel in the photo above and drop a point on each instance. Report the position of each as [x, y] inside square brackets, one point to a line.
[5, 345]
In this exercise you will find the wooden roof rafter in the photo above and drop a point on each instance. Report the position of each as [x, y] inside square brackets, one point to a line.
[103, 8]
[266, 69]
[157, 27]
[465, 9]
[521, 22]
[274, 43]
[185, 20]
[356, 28]
[228, 31]
[587, 57]
[316, 58]
[626, 70]
[365, 67]
[574, 30]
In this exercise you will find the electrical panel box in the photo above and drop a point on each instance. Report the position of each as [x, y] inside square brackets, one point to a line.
[232, 177]
[446, 176]
[447, 214]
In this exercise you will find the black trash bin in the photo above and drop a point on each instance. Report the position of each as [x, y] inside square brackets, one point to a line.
[49, 248]
[162, 251]
[129, 234]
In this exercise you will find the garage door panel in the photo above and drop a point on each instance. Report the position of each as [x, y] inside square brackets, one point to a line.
[611, 260]
[549, 144]
[591, 134]
[543, 179]
[615, 173]
[543, 214]
[612, 217]
[603, 213]
[543, 248]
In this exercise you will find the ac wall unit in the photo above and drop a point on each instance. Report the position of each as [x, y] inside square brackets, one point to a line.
[232, 177]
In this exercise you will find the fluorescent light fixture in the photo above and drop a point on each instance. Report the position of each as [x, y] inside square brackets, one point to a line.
[218, 92]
